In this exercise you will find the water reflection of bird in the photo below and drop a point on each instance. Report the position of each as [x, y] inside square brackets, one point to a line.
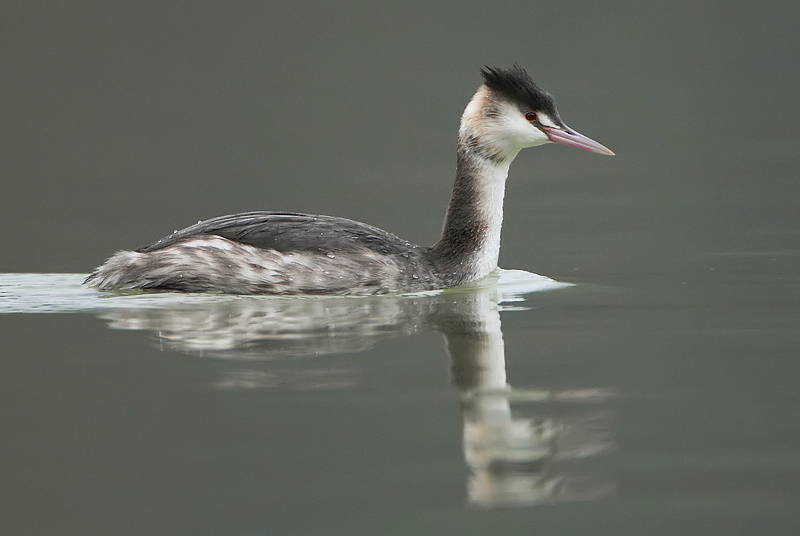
[523, 446]
[289, 253]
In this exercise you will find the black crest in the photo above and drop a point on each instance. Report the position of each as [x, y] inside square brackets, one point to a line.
[516, 85]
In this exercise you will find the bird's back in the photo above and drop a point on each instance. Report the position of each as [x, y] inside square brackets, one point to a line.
[273, 253]
[291, 232]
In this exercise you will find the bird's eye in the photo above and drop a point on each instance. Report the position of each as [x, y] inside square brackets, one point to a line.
[531, 116]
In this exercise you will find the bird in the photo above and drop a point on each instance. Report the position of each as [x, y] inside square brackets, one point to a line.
[288, 253]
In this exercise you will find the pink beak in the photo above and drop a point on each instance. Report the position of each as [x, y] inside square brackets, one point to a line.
[567, 136]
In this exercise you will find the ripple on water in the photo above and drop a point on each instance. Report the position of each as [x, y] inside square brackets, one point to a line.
[65, 293]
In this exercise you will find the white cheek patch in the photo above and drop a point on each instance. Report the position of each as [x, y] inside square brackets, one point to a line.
[500, 126]
[514, 120]
[508, 131]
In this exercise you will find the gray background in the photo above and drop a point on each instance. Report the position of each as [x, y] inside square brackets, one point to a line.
[124, 121]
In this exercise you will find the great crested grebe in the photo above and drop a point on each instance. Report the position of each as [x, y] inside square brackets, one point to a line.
[287, 253]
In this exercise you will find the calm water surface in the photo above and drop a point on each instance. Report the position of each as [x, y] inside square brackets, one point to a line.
[590, 408]
[657, 395]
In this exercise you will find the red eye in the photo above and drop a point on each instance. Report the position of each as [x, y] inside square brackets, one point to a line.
[530, 116]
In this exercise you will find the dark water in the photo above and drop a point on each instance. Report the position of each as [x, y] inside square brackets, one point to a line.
[658, 395]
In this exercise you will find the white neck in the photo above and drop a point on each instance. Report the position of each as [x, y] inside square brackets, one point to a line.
[490, 183]
[470, 243]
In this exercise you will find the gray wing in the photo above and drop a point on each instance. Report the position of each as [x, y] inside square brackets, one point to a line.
[287, 232]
